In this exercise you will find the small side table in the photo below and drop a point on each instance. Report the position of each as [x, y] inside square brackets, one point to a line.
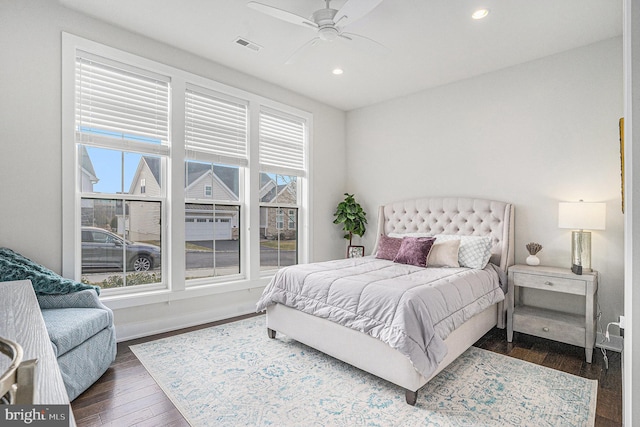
[560, 326]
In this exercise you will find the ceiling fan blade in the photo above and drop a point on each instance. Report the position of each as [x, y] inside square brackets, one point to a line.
[365, 43]
[296, 54]
[354, 10]
[282, 14]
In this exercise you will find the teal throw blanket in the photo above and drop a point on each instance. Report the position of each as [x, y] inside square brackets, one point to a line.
[14, 266]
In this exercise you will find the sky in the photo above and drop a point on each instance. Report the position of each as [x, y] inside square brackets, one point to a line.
[116, 169]
[109, 165]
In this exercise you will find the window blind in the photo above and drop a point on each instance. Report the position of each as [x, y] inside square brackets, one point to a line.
[215, 128]
[120, 102]
[282, 144]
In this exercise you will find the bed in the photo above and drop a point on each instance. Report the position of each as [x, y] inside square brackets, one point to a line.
[343, 307]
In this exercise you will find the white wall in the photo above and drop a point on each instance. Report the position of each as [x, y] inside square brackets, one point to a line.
[533, 135]
[31, 154]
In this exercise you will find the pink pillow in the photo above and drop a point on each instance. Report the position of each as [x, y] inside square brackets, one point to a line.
[388, 247]
[414, 251]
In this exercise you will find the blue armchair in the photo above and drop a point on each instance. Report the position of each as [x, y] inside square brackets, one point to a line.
[80, 327]
[83, 336]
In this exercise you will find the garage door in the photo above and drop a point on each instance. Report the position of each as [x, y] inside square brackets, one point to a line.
[205, 229]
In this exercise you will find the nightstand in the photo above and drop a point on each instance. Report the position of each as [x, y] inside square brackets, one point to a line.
[569, 328]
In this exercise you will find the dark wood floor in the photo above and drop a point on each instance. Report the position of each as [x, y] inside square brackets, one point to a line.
[126, 395]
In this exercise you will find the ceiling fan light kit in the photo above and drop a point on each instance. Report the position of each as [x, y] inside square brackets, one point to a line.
[328, 34]
[328, 23]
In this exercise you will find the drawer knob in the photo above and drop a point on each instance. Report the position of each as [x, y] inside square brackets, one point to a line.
[548, 283]
[546, 329]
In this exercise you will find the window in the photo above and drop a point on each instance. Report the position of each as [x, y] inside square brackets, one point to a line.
[215, 134]
[292, 213]
[164, 166]
[121, 135]
[279, 244]
[280, 219]
[282, 164]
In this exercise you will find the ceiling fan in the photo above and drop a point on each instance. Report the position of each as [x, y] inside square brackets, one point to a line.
[328, 23]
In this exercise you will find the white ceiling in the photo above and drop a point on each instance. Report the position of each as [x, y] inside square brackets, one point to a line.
[430, 42]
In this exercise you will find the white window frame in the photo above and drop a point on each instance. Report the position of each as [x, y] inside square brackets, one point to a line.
[208, 191]
[173, 245]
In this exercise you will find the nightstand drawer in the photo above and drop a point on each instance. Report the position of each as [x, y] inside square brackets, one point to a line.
[553, 325]
[550, 283]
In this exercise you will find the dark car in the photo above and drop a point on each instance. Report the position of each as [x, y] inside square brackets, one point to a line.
[103, 249]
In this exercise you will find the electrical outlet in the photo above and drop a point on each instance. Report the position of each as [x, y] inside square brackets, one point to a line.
[621, 321]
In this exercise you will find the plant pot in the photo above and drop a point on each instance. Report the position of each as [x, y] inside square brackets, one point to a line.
[533, 260]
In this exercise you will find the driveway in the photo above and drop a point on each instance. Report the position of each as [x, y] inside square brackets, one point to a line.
[228, 255]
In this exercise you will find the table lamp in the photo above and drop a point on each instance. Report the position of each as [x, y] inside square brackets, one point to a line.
[581, 216]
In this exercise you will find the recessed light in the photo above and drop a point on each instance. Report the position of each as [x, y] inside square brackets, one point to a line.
[337, 71]
[480, 13]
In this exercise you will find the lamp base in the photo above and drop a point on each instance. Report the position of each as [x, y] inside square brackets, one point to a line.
[581, 250]
[576, 269]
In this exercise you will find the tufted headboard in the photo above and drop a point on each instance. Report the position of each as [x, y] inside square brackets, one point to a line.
[452, 215]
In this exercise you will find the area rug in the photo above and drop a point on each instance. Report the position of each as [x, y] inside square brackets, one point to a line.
[234, 375]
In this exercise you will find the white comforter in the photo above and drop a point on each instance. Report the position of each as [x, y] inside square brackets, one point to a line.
[412, 309]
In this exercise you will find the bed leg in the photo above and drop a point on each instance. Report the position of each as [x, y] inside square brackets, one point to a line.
[271, 333]
[411, 397]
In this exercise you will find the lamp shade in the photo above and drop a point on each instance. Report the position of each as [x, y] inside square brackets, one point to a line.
[582, 215]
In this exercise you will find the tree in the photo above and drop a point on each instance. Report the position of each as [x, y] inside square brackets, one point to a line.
[353, 218]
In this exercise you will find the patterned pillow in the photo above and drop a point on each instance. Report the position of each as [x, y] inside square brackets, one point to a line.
[414, 251]
[388, 247]
[444, 254]
[474, 252]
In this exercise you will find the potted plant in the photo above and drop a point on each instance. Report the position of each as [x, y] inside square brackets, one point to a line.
[533, 249]
[353, 218]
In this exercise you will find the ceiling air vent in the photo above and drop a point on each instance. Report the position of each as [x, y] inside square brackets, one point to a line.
[248, 44]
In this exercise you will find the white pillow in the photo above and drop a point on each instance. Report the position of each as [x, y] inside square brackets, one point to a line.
[474, 252]
[444, 254]
[401, 235]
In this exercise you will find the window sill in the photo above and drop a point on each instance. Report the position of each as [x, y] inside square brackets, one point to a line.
[121, 301]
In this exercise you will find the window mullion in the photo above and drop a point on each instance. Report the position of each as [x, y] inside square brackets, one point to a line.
[279, 205]
[252, 188]
[176, 200]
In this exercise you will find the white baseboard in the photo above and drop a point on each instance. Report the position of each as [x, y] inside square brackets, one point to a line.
[142, 329]
[171, 323]
[616, 342]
